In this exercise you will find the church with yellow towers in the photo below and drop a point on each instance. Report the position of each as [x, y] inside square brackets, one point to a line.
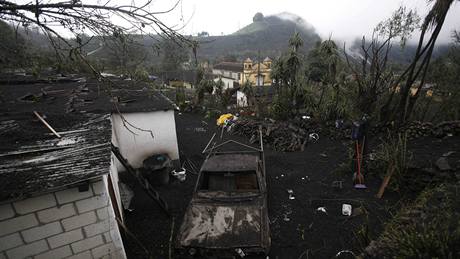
[257, 73]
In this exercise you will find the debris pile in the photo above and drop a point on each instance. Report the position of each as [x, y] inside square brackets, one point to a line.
[281, 136]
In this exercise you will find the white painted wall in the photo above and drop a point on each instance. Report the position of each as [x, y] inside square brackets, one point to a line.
[61, 224]
[136, 144]
[228, 83]
[241, 99]
[226, 73]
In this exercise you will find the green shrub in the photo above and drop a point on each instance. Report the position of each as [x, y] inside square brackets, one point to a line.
[430, 228]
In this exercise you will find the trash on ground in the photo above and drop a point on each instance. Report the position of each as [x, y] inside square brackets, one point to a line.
[305, 178]
[291, 194]
[180, 174]
[224, 118]
[313, 137]
[346, 209]
[240, 252]
[345, 252]
[322, 209]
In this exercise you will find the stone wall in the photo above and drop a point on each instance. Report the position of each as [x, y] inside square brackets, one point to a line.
[63, 224]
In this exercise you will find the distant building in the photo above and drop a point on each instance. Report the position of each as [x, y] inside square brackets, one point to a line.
[257, 73]
[229, 72]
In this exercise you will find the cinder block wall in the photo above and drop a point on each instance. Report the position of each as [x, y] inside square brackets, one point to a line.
[63, 224]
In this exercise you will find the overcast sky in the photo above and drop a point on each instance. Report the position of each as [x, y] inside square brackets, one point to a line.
[344, 19]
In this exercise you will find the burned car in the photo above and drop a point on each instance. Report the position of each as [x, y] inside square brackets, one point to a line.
[228, 214]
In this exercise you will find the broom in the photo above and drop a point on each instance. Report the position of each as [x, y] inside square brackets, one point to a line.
[358, 178]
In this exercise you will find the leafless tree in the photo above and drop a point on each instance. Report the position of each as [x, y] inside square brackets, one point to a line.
[77, 17]
[370, 69]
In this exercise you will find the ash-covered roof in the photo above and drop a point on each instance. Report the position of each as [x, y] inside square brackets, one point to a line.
[230, 163]
[230, 66]
[80, 95]
[34, 161]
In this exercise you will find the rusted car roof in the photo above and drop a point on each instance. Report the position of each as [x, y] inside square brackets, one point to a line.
[230, 162]
[215, 226]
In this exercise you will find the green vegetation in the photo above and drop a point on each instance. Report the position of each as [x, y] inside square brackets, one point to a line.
[429, 228]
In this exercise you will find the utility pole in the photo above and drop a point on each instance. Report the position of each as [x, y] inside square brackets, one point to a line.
[258, 68]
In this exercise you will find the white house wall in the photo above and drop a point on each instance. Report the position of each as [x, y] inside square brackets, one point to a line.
[241, 99]
[134, 136]
[63, 224]
[228, 83]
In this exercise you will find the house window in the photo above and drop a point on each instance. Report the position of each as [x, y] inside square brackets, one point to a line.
[239, 76]
[231, 74]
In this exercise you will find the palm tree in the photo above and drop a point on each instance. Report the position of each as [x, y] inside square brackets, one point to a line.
[248, 90]
[295, 42]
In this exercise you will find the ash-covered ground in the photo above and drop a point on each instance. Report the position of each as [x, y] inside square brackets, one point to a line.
[298, 230]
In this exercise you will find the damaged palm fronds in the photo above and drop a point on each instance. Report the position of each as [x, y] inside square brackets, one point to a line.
[280, 136]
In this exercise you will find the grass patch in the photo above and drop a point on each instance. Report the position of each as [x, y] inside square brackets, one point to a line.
[429, 228]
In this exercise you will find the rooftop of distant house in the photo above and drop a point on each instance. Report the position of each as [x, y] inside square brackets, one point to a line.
[32, 159]
[230, 66]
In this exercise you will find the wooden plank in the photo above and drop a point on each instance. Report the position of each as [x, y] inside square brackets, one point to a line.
[385, 182]
[46, 124]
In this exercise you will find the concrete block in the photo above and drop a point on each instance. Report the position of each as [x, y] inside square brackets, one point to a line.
[99, 187]
[18, 223]
[56, 213]
[84, 255]
[28, 250]
[41, 232]
[72, 194]
[36, 203]
[107, 237]
[92, 203]
[103, 250]
[10, 241]
[103, 213]
[87, 244]
[65, 238]
[6, 211]
[79, 221]
[60, 252]
[98, 228]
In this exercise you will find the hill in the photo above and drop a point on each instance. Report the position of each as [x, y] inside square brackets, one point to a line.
[269, 35]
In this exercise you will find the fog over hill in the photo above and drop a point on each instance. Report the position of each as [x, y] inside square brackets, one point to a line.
[269, 35]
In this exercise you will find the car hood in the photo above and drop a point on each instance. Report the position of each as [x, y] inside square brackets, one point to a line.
[217, 226]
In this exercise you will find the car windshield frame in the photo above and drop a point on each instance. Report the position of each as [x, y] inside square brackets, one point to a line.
[230, 190]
